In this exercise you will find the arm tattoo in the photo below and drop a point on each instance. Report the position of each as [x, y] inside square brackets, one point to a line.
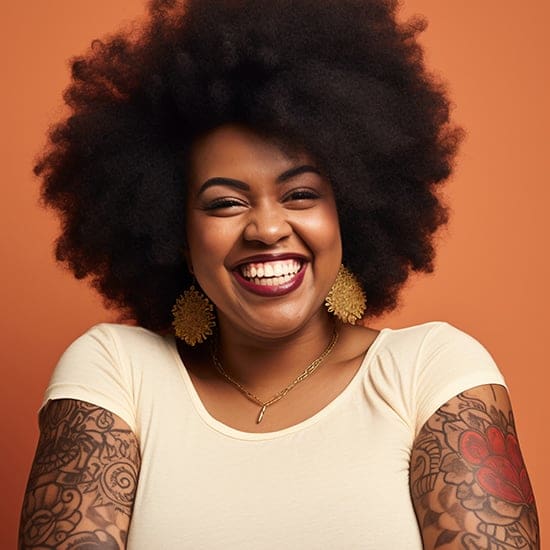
[468, 480]
[83, 481]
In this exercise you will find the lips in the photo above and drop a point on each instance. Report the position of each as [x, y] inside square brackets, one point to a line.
[271, 275]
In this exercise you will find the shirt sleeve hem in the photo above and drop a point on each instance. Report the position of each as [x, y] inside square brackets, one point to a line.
[450, 391]
[59, 391]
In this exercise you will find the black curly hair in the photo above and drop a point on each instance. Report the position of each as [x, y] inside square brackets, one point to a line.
[341, 79]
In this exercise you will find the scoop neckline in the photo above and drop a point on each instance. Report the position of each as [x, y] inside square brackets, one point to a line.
[234, 433]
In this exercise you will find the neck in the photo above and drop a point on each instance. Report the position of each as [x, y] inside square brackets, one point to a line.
[265, 366]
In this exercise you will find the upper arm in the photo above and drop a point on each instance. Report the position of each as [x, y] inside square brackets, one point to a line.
[469, 484]
[83, 480]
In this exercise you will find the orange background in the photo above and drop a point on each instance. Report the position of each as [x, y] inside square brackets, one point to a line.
[492, 272]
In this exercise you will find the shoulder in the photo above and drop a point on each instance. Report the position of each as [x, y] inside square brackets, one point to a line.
[434, 341]
[428, 331]
[114, 341]
[121, 331]
[108, 366]
[111, 350]
[421, 367]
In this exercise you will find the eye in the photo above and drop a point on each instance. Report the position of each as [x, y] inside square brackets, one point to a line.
[224, 202]
[301, 196]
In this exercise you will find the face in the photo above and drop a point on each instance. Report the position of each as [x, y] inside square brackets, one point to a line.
[262, 231]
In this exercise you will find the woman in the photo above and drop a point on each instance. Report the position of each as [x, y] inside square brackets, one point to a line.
[256, 177]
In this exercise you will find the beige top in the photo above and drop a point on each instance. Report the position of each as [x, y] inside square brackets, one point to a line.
[338, 480]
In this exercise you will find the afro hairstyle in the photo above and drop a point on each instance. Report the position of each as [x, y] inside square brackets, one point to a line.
[342, 79]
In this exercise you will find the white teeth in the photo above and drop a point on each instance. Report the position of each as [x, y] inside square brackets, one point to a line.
[271, 269]
[272, 281]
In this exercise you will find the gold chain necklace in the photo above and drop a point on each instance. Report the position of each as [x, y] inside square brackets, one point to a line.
[264, 404]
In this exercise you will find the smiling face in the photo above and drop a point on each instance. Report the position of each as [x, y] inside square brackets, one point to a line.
[262, 231]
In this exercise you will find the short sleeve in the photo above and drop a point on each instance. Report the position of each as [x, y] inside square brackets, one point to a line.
[450, 362]
[91, 370]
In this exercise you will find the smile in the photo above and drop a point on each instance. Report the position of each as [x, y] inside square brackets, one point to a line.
[272, 277]
[271, 273]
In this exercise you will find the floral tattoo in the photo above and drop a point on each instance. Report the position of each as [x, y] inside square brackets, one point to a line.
[468, 479]
[83, 481]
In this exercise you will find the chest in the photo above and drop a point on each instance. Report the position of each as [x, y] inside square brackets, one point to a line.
[230, 406]
[341, 482]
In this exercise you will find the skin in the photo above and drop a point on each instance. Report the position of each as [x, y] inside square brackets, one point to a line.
[83, 480]
[469, 483]
[229, 222]
[243, 202]
[463, 496]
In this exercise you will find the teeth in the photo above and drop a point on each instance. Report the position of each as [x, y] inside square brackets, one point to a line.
[271, 281]
[280, 269]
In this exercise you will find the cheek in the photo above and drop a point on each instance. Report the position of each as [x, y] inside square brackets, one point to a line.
[209, 243]
[325, 230]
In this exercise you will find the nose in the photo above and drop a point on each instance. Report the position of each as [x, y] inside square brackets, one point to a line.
[267, 224]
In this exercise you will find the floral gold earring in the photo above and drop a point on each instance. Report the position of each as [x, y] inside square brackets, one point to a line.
[193, 317]
[346, 298]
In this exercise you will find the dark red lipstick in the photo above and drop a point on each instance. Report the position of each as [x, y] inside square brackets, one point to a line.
[271, 290]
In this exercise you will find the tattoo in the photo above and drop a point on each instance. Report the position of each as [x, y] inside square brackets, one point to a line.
[83, 481]
[468, 479]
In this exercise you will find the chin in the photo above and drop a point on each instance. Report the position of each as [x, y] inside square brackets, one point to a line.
[277, 325]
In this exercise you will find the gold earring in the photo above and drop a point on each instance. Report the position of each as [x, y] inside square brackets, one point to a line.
[346, 298]
[193, 317]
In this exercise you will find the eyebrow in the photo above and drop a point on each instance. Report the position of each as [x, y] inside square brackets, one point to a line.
[242, 186]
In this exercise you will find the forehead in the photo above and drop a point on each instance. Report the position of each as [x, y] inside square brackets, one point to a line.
[237, 150]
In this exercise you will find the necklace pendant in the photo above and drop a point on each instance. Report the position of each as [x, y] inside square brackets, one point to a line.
[261, 415]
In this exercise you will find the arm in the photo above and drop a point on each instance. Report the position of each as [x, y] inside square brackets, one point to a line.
[83, 480]
[469, 484]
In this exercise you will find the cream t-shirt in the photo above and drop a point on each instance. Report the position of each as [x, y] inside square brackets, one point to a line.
[338, 480]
